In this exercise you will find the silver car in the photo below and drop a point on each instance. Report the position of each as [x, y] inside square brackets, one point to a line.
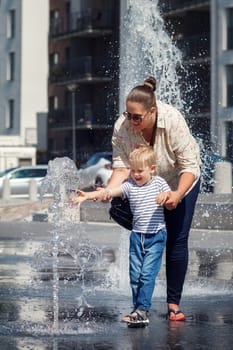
[19, 178]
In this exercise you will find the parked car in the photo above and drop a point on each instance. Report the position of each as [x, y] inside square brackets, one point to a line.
[209, 159]
[96, 171]
[103, 175]
[6, 171]
[19, 178]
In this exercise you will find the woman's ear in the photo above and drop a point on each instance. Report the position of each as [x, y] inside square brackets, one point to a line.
[153, 109]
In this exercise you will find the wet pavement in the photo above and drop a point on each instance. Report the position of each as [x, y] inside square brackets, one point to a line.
[67, 288]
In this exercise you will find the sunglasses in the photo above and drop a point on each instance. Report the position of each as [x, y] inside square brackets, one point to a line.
[134, 117]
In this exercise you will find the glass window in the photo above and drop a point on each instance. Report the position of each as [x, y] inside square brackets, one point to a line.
[229, 28]
[11, 66]
[11, 24]
[53, 59]
[54, 21]
[36, 172]
[53, 103]
[229, 71]
[28, 173]
[10, 114]
[18, 174]
[229, 140]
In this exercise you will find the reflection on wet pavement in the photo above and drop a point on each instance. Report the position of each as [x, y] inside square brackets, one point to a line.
[90, 304]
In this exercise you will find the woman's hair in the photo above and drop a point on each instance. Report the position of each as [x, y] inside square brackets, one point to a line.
[142, 155]
[144, 94]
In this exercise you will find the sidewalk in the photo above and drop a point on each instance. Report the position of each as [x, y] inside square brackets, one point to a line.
[213, 211]
[18, 208]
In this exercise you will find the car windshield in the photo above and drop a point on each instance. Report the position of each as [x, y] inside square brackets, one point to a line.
[96, 157]
[4, 172]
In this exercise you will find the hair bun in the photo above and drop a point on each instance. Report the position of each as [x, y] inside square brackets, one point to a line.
[151, 83]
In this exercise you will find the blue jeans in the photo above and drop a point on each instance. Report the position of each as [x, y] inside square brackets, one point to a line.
[145, 257]
[178, 223]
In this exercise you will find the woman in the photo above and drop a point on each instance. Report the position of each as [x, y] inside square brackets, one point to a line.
[178, 162]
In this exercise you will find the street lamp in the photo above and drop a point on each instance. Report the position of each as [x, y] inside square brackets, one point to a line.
[72, 88]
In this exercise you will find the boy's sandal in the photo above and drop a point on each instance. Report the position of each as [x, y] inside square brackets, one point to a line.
[136, 317]
[127, 318]
[173, 315]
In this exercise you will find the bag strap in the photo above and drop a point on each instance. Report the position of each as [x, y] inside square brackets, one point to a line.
[152, 139]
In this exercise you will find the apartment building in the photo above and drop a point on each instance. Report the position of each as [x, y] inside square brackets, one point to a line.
[82, 89]
[23, 78]
[83, 76]
[203, 31]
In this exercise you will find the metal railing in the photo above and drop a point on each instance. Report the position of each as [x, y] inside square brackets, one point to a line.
[81, 68]
[195, 47]
[172, 5]
[89, 20]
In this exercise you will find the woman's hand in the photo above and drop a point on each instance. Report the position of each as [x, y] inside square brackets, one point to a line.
[105, 195]
[174, 198]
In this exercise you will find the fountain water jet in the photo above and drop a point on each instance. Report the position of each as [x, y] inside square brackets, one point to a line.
[147, 49]
[61, 180]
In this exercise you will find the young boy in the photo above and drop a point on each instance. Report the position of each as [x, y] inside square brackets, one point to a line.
[146, 193]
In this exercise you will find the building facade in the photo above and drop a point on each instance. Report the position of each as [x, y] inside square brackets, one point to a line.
[81, 42]
[23, 80]
[83, 76]
[203, 31]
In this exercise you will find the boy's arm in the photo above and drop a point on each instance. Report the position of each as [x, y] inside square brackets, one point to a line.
[95, 195]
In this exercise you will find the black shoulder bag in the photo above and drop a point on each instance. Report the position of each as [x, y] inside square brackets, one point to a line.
[120, 209]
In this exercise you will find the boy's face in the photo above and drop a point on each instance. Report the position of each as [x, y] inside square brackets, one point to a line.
[141, 173]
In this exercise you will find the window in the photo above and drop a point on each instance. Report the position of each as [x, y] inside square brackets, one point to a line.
[11, 67]
[11, 24]
[229, 140]
[229, 28]
[29, 173]
[229, 74]
[54, 22]
[53, 59]
[10, 114]
[53, 103]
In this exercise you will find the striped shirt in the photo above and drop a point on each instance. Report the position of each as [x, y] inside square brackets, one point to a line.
[148, 216]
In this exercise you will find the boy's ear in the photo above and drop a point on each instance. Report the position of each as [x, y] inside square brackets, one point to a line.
[153, 168]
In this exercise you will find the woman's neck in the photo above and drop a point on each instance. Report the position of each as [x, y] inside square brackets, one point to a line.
[147, 132]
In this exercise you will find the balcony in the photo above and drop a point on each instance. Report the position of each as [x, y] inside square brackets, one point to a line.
[90, 23]
[83, 70]
[85, 118]
[177, 5]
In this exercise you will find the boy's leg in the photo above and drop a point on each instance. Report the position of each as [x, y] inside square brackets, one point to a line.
[153, 247]
[135, 264]
[178, 222]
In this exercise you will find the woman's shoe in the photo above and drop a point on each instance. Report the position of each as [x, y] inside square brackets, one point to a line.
[173, 315]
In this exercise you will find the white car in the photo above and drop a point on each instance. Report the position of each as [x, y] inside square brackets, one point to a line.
[96, 171]
[103, 175]
[19, 178]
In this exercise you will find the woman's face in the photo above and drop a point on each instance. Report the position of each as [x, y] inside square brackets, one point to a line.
[139, 117]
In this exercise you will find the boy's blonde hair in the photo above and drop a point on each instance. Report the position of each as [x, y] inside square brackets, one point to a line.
[142, 155]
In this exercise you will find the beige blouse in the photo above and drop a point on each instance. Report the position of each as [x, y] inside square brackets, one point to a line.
[176, 149]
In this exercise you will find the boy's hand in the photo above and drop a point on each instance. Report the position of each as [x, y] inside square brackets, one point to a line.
[78, 198]
[162, 197]
[173, 200]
